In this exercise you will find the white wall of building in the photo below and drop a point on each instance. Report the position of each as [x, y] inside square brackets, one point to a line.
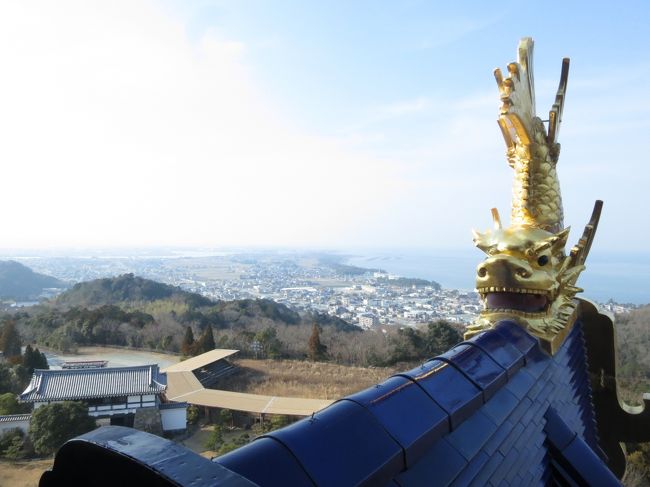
[9, 425]
[174, 419]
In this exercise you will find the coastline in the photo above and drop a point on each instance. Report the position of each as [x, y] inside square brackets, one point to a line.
[623, 278]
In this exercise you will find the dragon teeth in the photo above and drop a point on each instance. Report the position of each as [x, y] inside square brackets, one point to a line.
[495, 289]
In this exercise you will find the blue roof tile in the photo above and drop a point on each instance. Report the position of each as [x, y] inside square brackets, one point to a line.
[470, 436]
[499, 407]
[522, 463]
[278, 469]
[351, 439]
[478, 366]
[522, 406]
[524, 441]
[471, 470]
[411, 417]
[538, 363]
[502, 352]
[591, 470]
[488, 469]
[438, 467]
[448, 387]
[497, 438]
[520, 384]
[517, 337]
[506, 447]
[536, 389]
[503, 469]
[557, 431]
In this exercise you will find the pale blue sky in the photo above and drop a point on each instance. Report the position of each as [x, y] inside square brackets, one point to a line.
[295, 123]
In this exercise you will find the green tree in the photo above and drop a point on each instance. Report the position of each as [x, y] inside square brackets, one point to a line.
[276, 421]
[192, 414]
[317, 351]
[226, 417]
[268, 339]
[16, 449]
[54, 424]
[187, 346]
[34, 359]
[407, 346]
[10, 340]
[439, 337]
[40, 360]
[207, 340]
[13, 378]
[13, 444]
[10, 405]
[215, 440]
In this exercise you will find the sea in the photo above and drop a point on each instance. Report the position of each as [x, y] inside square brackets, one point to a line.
[620, 277]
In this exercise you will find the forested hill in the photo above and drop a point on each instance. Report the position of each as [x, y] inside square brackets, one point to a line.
[19, 282]
[137, 312]
[126, 288]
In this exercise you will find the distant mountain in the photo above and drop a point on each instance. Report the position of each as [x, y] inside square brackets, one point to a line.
[126, 288]
[19, 282]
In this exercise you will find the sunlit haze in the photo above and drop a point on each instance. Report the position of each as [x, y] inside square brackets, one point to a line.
[306, 123]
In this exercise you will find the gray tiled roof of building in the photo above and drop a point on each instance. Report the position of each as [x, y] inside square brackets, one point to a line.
[14, 417]
[79, 384]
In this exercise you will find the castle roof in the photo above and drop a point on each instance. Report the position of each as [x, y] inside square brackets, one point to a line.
[493, 409]
[79, 384]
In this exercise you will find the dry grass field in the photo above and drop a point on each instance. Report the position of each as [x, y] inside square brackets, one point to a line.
[295, 378]
[24, 473]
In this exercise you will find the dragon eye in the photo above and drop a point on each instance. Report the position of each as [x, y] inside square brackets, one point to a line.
[543, 260]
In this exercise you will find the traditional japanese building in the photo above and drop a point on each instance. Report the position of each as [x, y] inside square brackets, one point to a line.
[108, 391]
[118, 393]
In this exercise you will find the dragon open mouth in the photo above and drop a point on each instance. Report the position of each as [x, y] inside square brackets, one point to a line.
[526, 300]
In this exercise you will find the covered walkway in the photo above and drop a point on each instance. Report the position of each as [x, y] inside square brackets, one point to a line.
[183, 385]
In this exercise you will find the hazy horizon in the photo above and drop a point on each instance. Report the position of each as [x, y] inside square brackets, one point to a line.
[354, 125]
[624, 277]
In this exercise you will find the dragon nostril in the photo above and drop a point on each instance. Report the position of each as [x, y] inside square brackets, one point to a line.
[521, 272]
[482, 272]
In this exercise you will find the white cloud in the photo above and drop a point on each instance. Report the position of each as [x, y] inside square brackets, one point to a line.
[116, 130]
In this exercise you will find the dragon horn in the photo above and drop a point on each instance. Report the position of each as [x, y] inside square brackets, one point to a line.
[580, 250]
[555, 115]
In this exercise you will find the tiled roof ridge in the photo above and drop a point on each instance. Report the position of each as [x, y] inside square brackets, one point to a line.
[97, 370]
[14, 417]
[64, 384]
[473, 404]
[450, 357]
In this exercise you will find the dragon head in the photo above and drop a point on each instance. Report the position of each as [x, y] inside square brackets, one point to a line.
[528, 276]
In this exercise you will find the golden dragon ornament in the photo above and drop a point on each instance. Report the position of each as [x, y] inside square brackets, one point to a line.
[528, 276]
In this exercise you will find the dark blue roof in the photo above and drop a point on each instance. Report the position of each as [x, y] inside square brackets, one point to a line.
[475, 415]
